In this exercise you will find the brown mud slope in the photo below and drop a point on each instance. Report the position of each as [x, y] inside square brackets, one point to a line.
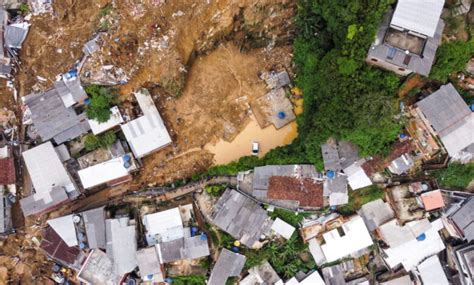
[201, 60]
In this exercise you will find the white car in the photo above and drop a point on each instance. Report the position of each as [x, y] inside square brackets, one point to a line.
[255, 148]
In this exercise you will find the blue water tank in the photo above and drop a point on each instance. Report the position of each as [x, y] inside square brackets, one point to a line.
[126, 164]
[281, 115]
[194, 231]
[71, 74]
[82, 245]
[127, 158]
[472, 107]
[203, 236]
[421, 237]
[87, 101]
[402, 136]
[330, 174]
[235, 249]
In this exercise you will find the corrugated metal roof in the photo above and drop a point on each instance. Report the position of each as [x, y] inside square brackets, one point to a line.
[121, 245]
[98, 269]
[52, 119]
[165, 225]
[183, 248]
[15, 34]
[41, 202]
[148, 263]
[147, 133]
[444, 108]
[94, 222]
[241, 217]
[282, 228]
[104, 172]
[376, 213]
[463, 219]
[229, 264]
[418, 16]
[45, 169]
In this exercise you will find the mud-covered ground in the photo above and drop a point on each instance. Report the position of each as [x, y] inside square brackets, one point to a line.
[200, 59]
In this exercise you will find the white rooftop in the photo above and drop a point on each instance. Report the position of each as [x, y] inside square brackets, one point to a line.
[421, 16]
[114, 120]
[64, 227]
[166, 225]
[461, 137]
[121, 245]
[411, 253]
[283, 228]
[356, 176]
[356, 237]
[147, 133]
[431, 272]
[104, 172]
[46, 170]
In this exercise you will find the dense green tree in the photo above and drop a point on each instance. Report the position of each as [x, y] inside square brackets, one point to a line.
[92, 142]
[101, 100]
[451, 57]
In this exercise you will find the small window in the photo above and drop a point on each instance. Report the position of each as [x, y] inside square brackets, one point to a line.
[341, 232]
[401, 69]
[374, 59]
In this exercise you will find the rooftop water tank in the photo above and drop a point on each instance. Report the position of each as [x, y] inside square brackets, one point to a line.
[281, 115]
[203, 236]
[127, 157]
[126, 164]
[330, 174]
[421, 237]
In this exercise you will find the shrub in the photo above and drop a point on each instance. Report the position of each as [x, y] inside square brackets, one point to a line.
[451, 58]
[101, 100]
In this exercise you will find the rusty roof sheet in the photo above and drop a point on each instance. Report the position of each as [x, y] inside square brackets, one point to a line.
[57, 249]
[307, 191]
[7, 171]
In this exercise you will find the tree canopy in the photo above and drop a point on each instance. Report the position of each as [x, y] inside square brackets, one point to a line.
[451, 57]
[101, 100]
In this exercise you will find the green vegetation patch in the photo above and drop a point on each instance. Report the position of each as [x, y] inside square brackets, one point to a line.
[285, 257]
[190, 280]
[292, 218]
[451, 58]
[93, 142]
[101, 100]
[456, 175]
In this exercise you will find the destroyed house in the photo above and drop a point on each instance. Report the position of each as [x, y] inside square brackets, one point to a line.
[289, 186]
[241, 217]
[449, 117]
[462, 220]
[408, 37]
[51, 182]
[52, 119]
[229, 264]
[146, 134]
